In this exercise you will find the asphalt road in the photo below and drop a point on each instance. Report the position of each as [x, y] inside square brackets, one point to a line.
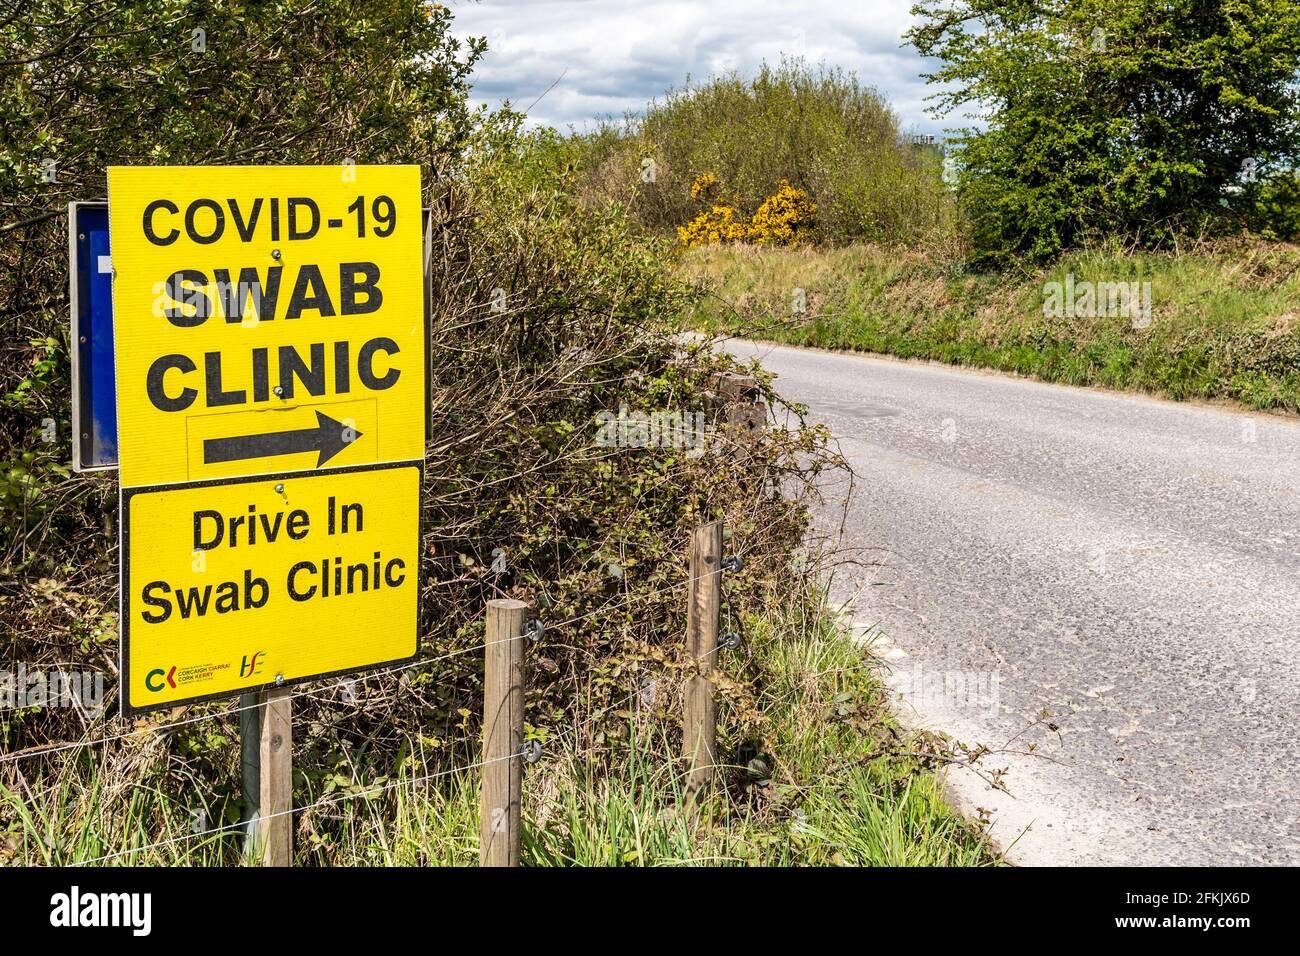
[1109, 585]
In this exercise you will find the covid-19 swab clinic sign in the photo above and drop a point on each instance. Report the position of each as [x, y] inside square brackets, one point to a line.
[270, 356]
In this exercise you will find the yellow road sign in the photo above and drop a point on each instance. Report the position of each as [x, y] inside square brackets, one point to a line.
[237, 584]
[266, 319]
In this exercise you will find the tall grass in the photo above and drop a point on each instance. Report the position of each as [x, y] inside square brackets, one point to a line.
[829, 781]
[1224, 322]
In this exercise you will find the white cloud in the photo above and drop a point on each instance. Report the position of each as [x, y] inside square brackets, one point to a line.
[611, 57]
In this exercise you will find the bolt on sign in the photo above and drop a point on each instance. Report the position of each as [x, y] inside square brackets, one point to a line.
[270, 347]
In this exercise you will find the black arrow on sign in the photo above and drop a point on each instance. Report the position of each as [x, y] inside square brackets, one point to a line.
[328, 438]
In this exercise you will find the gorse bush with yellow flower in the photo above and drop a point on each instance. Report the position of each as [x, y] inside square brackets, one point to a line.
[784, 218]
[703, 187]
[719, 223]
[714, 226]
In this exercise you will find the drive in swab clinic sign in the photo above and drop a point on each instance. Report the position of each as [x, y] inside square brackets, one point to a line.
[270, 347]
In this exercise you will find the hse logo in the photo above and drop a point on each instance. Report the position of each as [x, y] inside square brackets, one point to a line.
[158, 678]
[251, 666]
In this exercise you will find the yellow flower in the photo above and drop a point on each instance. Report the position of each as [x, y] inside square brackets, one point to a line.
[717, 225]
[785, 218]
[702, 186]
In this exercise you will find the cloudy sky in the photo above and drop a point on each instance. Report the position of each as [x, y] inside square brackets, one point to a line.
[611, 56]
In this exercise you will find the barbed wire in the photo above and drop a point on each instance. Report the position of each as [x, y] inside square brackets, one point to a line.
[314, 692]
[570, 732]
[163, 728]
[243, 824]
[380, 788]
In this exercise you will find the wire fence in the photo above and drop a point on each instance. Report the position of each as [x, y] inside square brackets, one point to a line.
[368, 792]
[314, 692]
[327, 801]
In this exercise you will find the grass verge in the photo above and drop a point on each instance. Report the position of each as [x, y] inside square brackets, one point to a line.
[1224, 321]
[829, 779]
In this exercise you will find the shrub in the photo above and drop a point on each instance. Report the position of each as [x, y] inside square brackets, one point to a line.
[816, 128]
[1274, 207]
[785, 218]
[716, 225]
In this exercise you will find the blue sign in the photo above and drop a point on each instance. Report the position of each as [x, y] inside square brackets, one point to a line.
[94, 393]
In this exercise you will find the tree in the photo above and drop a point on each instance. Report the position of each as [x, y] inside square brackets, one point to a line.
[1142, 117]
[186, 82]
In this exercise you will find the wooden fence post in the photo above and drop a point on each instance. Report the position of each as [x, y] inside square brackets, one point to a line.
[503, 733]
[699, 740]
[276, 778]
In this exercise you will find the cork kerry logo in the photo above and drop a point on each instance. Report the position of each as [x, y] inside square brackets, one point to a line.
[158, 679]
